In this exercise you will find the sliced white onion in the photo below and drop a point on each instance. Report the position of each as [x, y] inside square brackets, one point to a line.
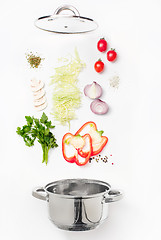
[99, 107]
[93, 90]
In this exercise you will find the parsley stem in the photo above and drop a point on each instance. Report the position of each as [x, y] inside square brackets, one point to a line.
[43, 149]
[38, 129]
[45, 153]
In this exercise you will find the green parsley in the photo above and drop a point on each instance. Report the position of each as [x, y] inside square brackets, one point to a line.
[40, 130]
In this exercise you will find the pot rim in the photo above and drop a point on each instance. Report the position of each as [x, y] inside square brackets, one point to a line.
[78, 197]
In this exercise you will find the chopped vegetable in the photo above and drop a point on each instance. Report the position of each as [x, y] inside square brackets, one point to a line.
[98, 141]
[40, 130]
[66, 94]
[36, 85]
[77, 149]
[111, 55]
[39, 94]
[99, 66]
[41, 107]
[40, 101]
[34, 60]
[93, 90]
[102, 45]
[99, 107]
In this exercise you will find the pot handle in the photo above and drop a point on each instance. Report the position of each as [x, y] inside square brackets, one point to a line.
[39, 193]
[112, 196]
[67, 7]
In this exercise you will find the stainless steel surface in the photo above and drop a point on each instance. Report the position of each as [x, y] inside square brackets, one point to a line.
[67, 7]
[77, 204]
[113, 196]
[66, 23]
[39, 193]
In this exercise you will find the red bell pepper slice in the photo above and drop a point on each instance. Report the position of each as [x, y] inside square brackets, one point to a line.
[81, 148]
[83, 152]
[97, 148]
[98, 141]
[90, 124]
[70, 158]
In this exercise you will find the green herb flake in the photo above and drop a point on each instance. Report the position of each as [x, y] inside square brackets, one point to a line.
[34, 60]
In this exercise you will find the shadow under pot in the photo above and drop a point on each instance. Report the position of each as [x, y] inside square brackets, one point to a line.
[77, 204]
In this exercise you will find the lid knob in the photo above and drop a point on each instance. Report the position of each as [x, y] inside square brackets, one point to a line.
[67, 7]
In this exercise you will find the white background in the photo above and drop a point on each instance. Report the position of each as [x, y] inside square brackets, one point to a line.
[132, 124]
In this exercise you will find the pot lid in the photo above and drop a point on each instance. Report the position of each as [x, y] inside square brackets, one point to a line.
[66, 23]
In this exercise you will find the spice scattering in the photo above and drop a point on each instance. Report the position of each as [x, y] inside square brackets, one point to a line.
[98, 158]
[34, 60]
[114, 82]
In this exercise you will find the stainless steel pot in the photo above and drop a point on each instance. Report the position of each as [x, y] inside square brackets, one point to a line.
[77, 204]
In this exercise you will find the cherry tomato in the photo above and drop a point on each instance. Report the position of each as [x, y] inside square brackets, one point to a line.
[111, 55]
[99, 66]
[102, 45]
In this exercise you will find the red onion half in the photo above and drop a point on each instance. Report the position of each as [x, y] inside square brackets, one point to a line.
[93, 90]
[99, 107]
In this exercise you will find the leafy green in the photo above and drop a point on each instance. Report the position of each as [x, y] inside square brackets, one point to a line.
[66, 94]
[40, 130]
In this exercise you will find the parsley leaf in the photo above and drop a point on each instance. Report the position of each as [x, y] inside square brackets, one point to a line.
[40, 130]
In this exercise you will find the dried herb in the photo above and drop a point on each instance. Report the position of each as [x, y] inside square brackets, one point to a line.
[33, 60]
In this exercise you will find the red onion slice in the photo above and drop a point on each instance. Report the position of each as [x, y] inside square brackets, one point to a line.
[93, 90]
[99, 107]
